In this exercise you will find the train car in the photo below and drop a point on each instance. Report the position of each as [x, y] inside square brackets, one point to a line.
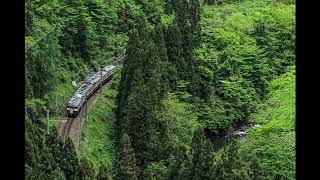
[87, 89]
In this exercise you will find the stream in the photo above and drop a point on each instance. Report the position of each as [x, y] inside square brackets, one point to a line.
[241, 131]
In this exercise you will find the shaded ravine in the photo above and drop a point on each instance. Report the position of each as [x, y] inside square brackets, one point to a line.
[241, 131]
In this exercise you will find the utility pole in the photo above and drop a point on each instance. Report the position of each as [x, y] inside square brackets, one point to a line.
[47, 121]
[79, 132]
[101, 81]
[86, 110]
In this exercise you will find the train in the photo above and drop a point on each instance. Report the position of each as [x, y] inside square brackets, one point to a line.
[87, 89]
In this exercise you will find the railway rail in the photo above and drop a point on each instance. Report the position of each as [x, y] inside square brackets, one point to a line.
[71, 126]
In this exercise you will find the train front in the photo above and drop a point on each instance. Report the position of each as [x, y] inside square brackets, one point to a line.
[73, 107]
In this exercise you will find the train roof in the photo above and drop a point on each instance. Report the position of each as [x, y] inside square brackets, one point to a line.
[81, 92]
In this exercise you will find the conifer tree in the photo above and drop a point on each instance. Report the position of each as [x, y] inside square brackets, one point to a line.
[32, 150]
[70, 163]
[175, 54]
[141, 93]
[255, 171]
[79, 36]
[159, 41]
[202, 156]
[125, 162]
[230, 166]
[103, 173]
[168, 6]
[187, 20]
[85, 170]
[129, 65]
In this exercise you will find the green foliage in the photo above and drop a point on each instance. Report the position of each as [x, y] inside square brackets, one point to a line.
[126, 163]
[175, 54]
[239, 55]
[202, 153]
[276, 138]
[34, 109]
[215, 57]
[181, 37]
[212, 115]
[98, 134]
[57, 100]
[86, 170]
[103, 173]
[58, 175]
[153, 9]
[179, 123]
[40, 57]
[45, 156]
[280, 45]
[128, 13]
[231, 165]
[156, 170]
[140, 92]
[70, 164]
[255, 169]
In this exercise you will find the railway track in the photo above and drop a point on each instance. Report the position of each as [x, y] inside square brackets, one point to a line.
[71, 127]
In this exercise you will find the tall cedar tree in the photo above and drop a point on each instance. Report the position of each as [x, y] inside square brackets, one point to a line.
[182, 20]
[70, 163]
[103, 173]
[140, 93]
[187, 20]
[79, 37]
[255, 171]
[46, 157]
[202, 156]
[126, 163]
[85, 170]
[175, 55]
[158, 38]
[230, 166]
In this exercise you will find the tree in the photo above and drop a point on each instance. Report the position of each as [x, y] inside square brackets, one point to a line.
[103, 173]
[187, 20]
[255, 171]
[69, 162]
[85, 170]
[125, 162]
[195, 22]
[79, 36]
[175, 54]
[128, 13]
[140, 93]
[230, 165]
[159, 41]
[42, 52]
[202, 156]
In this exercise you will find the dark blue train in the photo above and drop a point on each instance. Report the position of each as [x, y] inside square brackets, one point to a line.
[87, 89]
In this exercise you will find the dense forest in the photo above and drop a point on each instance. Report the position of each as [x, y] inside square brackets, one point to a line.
[194, 72]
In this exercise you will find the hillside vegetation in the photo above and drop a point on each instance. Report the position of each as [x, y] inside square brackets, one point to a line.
[193, 71]
[274, 142]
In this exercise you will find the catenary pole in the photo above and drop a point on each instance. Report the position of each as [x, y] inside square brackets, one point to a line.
[47, 121]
